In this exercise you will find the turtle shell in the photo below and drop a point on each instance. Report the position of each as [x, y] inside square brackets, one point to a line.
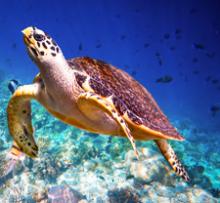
[129, 96]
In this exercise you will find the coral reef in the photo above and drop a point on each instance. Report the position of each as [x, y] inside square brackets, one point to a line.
[77, 166]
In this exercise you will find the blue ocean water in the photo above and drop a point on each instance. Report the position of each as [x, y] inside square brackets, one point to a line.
[149, 40]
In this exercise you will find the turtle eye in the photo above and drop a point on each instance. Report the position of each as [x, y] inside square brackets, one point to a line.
[39, 37]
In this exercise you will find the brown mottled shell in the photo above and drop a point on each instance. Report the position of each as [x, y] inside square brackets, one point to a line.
[128, 95]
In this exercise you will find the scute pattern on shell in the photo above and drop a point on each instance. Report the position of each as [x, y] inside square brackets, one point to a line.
[128, 94]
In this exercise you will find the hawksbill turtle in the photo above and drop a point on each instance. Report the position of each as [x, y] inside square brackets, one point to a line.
[89, 94]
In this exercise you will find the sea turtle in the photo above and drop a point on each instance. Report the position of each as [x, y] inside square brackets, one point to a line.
[89, 94]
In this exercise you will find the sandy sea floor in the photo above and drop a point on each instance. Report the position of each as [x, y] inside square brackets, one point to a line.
[86, 167]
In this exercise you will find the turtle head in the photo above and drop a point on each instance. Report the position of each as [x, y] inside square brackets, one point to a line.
[41, 47]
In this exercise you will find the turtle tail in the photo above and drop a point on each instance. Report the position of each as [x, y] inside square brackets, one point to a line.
[171, 157]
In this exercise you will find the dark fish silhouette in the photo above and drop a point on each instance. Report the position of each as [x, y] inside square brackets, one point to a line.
[126, 66]
[14, 45]
[8, 61]
[215, 81]
[214, 109]
[157, 54]
[194, 60]
[208, 78]
[172, 48]
[133, 73]
[164, 79]
[123, 37]
[80, 47]
[13, 85]
[166, 36]
[118, 16]
[178, 31]
[199, 168]
[98, 45]
[160, 61]
[198, 46]
[186, 78]
[215, 192]
[211, 54]
[193, 10]
[196, 72]
[146, 45]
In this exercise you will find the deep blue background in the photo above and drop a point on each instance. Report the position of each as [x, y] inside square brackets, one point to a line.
[129, 34]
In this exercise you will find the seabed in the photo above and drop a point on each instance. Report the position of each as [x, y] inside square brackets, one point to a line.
[82, 167]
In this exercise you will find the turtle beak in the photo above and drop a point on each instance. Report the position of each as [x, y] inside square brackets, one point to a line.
[28, 32]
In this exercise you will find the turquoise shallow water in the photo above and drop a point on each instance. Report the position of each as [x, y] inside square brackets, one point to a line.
[151, 40]
[98, 168]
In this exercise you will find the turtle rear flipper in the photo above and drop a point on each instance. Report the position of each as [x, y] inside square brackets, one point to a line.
[171, 157]
[19, 118]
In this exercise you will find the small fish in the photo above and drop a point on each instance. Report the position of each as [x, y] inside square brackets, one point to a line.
[196, 72]
[211, 54]
[146, 45]
[123, 37]
[157, 54]
[208, 78]
[198, 46]
[80, 47]
[98, 45]
[14, 45]
[172, 48]
[118, 16]
[178, 31]
[160, 61]
[166, 36]
[193, 10]
[8, 61]
[194, 60]
[186, 78]
[133, 73]
[198, 168]
[164, 79]
[215, 81]
[13, 85]
[215, 192]
[214, 109]
[126, 66]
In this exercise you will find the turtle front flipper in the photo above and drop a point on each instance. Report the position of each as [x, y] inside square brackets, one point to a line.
[171, 157]
[19, 118]
[91, 99]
